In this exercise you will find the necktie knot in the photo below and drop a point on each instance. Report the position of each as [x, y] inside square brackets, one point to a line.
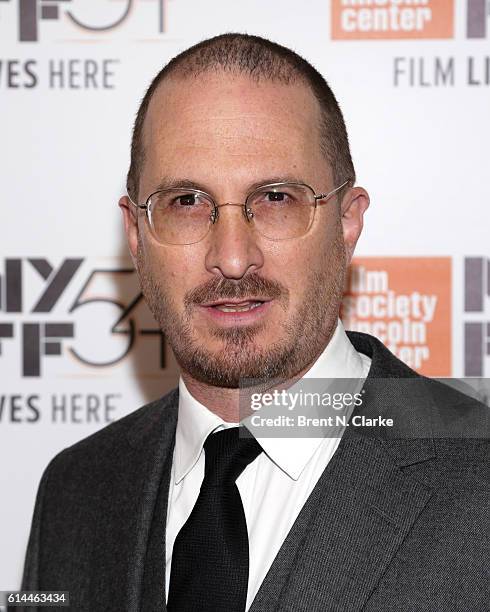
[227, 454]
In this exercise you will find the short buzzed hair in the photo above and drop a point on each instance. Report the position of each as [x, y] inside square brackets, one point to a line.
[260, 59]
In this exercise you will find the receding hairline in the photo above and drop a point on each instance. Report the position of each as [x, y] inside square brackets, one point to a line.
[182, 76]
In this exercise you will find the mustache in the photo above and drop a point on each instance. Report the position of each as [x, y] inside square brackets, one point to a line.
[251, 285]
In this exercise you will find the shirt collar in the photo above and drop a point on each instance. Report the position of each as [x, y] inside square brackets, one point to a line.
[195, 422]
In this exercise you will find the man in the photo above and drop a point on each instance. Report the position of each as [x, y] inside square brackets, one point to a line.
[241, 218]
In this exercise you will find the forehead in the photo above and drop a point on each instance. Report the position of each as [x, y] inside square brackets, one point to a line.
[233, 121]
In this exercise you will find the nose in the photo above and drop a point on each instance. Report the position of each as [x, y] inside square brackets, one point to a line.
[233, 250]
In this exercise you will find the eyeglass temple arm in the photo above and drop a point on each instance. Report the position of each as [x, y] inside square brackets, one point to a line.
[143, 206]
[323, 196]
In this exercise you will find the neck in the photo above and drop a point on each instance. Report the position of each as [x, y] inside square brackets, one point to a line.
[225, 402]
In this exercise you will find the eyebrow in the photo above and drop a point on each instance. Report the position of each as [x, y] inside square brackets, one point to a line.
[181, 183]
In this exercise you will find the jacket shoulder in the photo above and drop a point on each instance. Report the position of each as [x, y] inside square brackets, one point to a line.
[461, 427]
[446, 411]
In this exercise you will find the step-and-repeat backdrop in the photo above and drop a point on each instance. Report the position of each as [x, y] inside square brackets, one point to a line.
[78, 348]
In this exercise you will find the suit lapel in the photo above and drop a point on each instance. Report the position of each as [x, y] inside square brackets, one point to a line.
[125, 551]
[154, 588]
[363, 506]
[349, 530]
[151, 522]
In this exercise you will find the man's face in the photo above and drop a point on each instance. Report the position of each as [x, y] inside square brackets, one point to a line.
[225, 133]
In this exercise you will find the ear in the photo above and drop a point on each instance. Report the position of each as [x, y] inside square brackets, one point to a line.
[354, 204]
[130, 225]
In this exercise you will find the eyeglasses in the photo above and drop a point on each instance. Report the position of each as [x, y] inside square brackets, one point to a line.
[279, 211]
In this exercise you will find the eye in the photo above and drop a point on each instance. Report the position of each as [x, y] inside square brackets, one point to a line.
[187, 199]
[276, 196]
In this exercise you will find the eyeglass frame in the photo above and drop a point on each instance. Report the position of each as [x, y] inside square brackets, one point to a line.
[247, 212]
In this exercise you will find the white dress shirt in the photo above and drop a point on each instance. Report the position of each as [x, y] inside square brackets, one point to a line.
[276, 485]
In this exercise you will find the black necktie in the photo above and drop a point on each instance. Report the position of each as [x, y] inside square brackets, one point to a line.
[210, 555]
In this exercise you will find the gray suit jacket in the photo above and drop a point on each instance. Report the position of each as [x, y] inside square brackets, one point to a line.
[397, 521]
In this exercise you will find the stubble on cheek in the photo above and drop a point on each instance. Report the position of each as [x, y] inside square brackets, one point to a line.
[151, 283]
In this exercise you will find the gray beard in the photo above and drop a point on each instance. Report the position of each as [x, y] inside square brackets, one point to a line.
[304, 336]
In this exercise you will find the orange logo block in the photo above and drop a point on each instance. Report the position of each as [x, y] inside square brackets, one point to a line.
[392, 19]
[406, 303]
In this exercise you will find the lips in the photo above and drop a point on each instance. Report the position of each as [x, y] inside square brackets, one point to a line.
[242, 304]
[238, 306]
[236, 312]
